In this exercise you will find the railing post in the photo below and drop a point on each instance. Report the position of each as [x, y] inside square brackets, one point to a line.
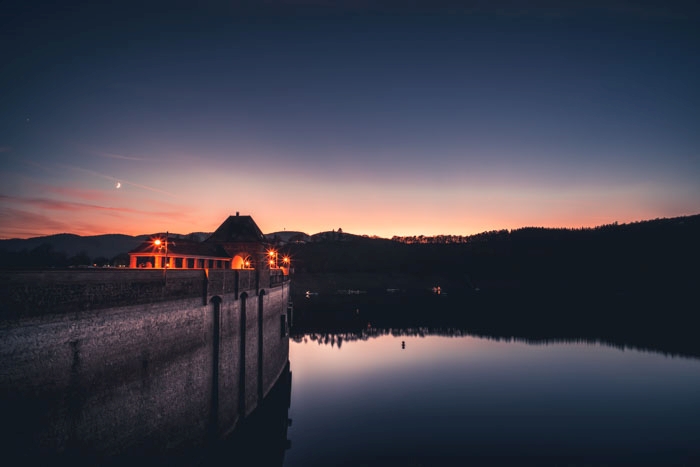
[236, 283]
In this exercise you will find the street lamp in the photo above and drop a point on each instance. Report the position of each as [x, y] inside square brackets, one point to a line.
[160, 244]
[286, 265]
[273, 259]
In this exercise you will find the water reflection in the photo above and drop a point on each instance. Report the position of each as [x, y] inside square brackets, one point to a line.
[632, 326]
[399, 381]
[456, 399]
[337, 338]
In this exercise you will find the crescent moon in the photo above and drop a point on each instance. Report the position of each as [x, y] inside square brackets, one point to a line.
[118, 185]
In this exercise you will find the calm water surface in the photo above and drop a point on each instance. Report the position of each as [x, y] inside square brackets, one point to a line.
[463, 400]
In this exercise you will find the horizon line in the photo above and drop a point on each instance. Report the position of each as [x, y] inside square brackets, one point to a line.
[614, 223]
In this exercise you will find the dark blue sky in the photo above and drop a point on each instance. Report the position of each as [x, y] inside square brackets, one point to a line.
[457, 117]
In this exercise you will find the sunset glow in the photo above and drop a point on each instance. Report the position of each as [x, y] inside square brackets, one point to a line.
[377, 121]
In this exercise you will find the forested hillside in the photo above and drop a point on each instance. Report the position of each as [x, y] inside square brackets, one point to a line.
[657, 254]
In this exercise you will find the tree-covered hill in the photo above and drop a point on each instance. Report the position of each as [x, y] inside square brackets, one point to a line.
[656, 254]
[660, 254]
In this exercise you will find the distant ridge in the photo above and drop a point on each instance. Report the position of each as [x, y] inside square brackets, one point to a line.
[108, 245]
[111, 245]
[624, 261]
[288, 236]
[631, 226]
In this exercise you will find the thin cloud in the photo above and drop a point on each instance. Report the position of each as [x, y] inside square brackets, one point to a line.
[122, 181]
[98, 174]
[103, 196]
[57, 205]
[18, 223]
[37, 165]
[22, 217]
[109, 155]
[5, 149]
[87, 195]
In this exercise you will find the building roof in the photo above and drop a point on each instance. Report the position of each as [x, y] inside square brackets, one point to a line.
[181, 246]
[237, 229]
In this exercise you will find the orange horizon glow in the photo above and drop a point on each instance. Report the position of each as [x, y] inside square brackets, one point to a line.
[381, 229]
[541, 125]
[292, 200]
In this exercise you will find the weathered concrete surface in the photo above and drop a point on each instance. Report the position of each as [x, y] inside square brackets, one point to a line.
[148, 378]
[37, 293]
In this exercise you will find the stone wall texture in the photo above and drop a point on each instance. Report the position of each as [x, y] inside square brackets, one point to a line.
[123, 362]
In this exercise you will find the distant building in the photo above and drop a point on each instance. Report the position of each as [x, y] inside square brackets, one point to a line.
[238, 243]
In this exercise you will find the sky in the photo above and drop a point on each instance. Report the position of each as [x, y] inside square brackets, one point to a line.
[378, 117]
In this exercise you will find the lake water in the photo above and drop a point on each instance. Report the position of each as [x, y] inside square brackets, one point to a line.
[418, 398]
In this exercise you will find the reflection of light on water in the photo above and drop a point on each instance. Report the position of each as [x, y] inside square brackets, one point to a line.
[395, 391]
[350, 292]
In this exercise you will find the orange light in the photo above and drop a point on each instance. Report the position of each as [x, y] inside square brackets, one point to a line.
[272, 262]
[271, 253]
[285, 259]
[157, 242]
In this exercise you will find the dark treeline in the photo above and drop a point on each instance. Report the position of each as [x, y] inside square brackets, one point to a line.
[338, 338]
[632, 285]
[485, 236]
[659, 255]
[645, 324]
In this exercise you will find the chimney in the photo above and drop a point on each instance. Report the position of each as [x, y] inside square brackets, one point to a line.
[236, 213]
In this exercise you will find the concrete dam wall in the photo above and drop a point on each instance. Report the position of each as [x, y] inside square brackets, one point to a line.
[120, 362]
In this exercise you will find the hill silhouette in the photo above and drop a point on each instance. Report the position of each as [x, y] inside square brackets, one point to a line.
[630, 285]
[659, 254]
[64, 249]
[650, 255]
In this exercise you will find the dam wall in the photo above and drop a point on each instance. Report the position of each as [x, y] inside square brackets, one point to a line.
[122, 362]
